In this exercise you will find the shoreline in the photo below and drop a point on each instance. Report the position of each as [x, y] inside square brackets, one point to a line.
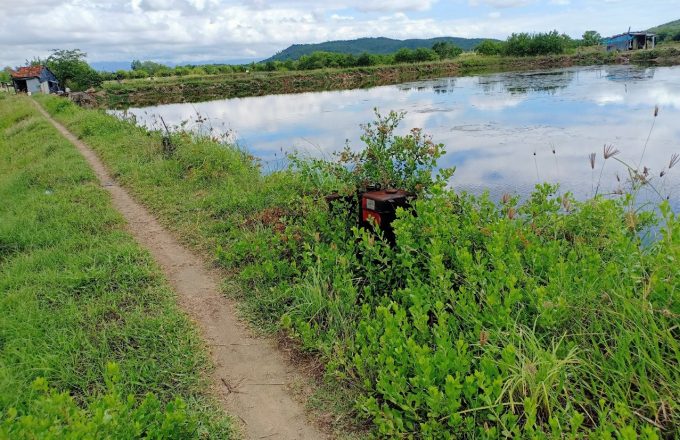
[142, 93]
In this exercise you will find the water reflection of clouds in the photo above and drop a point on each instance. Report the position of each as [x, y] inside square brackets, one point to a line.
[490, 124]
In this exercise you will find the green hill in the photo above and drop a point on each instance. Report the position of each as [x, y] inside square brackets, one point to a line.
[380, 46]
[670, 31]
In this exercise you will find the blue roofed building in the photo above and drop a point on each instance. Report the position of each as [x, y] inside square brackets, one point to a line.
[631, 41]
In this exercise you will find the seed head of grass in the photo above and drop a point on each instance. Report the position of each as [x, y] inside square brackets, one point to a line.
[505, 198]
[675, 158]
[609, 151]
[511, 213]
[662, 173]
[552, 147]
[566, 203]
[483, 337]
[592, 156]
[656, 111]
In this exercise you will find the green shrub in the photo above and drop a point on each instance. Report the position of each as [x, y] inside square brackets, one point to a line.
[56, 415]
[390, 161]
[524, 44]
[550, 318]
[489, 47]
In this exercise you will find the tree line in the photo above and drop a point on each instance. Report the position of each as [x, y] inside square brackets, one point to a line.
[72, 70]
[535, 44]
[522, 44]
[318, 60]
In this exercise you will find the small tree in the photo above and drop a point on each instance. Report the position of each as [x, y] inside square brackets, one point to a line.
[403, 55]
[424, 54]
[591, 38]
[364, 60]
[489, 47]
[71, 70]
[446, 49]
[5, 75]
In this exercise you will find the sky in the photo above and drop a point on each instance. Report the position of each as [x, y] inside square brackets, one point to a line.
[222, 30]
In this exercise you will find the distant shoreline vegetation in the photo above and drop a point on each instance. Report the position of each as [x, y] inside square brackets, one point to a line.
[522, 44]
[516, 45]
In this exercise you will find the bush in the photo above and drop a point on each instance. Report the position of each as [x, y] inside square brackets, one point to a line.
[56, 415]
[486, 320]
[524, 44]
[446, 49]
[489, 47]
[391, 161]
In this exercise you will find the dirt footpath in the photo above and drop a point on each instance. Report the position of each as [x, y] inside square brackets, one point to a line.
[250, 377]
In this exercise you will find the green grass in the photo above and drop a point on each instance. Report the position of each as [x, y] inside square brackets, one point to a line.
[549, 319]
[76, 291]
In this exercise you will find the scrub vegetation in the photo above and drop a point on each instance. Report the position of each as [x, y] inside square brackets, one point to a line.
[92, 344]
[543, 318]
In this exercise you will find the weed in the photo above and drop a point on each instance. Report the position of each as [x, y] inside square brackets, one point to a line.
[77, 292]
[546, 319]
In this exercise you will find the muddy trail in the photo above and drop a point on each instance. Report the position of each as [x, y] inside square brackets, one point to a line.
[250, 377]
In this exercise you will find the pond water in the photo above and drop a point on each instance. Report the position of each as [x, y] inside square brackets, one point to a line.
[491, 125]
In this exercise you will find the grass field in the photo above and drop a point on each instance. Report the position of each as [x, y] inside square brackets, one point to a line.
[84, 309]
[550, 318]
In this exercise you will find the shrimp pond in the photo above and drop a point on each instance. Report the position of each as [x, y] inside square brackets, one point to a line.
[499, 130]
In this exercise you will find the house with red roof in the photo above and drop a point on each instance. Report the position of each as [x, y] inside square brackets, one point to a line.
[34, 79]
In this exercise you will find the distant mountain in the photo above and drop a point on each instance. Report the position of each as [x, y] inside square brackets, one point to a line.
[380, 46]
[664, 31]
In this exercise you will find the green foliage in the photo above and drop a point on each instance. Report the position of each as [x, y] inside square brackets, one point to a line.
[77, 291]
[405, 162]
[524, 44]
[446, 49]
[376, 46]
[550, 318]
[56, 415]
[489, 47]
[421, 54]
[591, 38]
[149, 67]
[5, 75]
[71, 70]
[667, 32]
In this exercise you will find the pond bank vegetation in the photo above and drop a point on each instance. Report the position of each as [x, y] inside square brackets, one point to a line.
[203, 87]
[92, 343]
[541, 318]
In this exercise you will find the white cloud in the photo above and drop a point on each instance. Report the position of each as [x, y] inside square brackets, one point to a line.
[501, 4]
[558, 2]
[394, 5]
[221, 30]
[341, 17]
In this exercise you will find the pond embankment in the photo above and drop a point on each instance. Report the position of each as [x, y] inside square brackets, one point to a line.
[139, 93]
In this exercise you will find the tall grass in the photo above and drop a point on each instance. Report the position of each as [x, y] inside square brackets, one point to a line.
[544, 319]
[77, 293]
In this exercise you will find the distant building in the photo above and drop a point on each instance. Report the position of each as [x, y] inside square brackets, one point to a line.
[631, 41]
[34, 79]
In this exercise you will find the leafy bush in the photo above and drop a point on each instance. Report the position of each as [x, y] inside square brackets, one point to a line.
[390, 161]
[550, 318]
[489, 47]
[71, 70]
[525, 44]
[56, 415]
[490, 320]
[446, 49]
